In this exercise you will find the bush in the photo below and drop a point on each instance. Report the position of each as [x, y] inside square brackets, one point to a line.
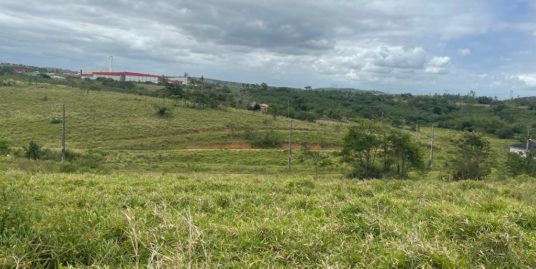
[505, 133]
[4, 147]
[518, 164]
[32, 151]
[269, 139]
[55, 121]
[90, 161]
[162, 111]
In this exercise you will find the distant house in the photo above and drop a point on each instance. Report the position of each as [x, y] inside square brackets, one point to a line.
[57, 77]
[20, 70]
[177, 80]
[264, 107]
[522, 149]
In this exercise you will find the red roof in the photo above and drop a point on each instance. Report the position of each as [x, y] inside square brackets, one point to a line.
[125, 74]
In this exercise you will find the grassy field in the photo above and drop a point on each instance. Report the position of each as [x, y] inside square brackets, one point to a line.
[201, 220]
[191, 190]
[126, 129]
[133, 138]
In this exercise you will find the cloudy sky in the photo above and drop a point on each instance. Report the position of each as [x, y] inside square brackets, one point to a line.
[417, 46]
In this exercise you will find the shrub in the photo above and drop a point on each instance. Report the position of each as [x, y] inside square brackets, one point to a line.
[518, 164]
[4, 147]
[162, 111]
[76, 162]
[269, 139]
[55, 121]
[32, 151]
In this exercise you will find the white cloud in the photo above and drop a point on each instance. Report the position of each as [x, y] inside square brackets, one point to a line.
[334, 40]
[437, 65]
[528, 79]
[464, 52]
[380, 63]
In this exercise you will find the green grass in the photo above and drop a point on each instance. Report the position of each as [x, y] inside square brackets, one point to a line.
[125, 127]
[202, 220]
[170, 192]
[115, 120]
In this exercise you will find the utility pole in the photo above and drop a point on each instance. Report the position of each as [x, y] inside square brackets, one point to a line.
[63, 133]
[528, 138]
[289, 138]
[431, 148]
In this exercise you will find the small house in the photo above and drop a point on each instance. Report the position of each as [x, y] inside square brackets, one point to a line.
[264, 107]
[20, 70]
[522, 149]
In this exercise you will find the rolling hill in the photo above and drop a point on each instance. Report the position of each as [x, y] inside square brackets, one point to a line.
[196, 188]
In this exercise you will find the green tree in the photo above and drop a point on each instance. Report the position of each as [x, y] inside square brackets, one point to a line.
[174, 90]
[405, 152]
[518, 164]
[472, 157]
[32, 151]
[316, 158]
[360, 147]
[274, 111]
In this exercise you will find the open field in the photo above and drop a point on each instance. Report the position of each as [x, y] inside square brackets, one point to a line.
[191, 190]
[133, 138]
[114, 120]
[201, 220]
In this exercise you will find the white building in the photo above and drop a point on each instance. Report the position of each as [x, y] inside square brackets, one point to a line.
[122, 76]
[177, 80]
[522, 149]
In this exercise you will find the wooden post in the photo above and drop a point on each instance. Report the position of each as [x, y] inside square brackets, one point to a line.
[289, 138]
[432, 148]
[528, 139]
[63, 133]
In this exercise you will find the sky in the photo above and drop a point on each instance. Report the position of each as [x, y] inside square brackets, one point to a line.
[415, 46]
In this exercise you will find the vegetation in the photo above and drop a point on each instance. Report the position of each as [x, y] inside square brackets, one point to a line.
[200, 220]
[4, 147]
[503, 119]
[522, 164]
[373, 150]
[208, 186]
[33, 151]
[471, 159]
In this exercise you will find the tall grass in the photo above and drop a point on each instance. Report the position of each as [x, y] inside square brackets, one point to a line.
[206, 221]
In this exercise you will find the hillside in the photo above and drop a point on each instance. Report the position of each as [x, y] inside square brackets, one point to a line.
[126, 128]
[194, 188]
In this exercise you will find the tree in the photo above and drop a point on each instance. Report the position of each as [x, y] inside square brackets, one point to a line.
[32, 151]
[518, 164]
[360, 146]
[317, 158]
[273, 110]
[405, 152]
[472, 154]
[174, 90]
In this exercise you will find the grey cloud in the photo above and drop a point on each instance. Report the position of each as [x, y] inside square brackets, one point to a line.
[354, 40]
